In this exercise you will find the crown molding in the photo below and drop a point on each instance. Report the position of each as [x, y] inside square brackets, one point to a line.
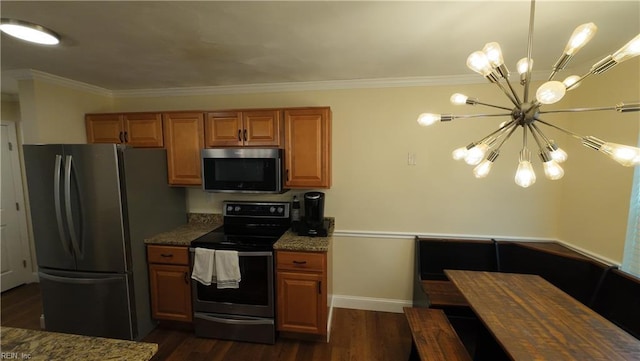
[31, 74]
[424, 81]
[404, 82]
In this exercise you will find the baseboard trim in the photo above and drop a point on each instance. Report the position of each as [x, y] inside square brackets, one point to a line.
[370, 303]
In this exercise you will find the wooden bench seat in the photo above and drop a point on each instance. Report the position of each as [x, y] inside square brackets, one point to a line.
[443, 294]
[434, 339]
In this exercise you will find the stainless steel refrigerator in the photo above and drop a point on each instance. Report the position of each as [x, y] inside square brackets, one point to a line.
[92, 205]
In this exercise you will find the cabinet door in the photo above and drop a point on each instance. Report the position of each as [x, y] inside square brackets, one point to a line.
[224, 129]
[104, 128]
[184, 141]
[143, 130]
[308, 148]
[301, 303]
[262, 128]
[170, 292]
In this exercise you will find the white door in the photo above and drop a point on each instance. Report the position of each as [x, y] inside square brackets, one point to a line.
[14, 265]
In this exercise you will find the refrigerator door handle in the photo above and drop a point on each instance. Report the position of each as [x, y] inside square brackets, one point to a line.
[67, 199]
[56, 198]
[51, 277]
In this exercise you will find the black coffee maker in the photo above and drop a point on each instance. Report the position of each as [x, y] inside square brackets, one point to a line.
[313, 222]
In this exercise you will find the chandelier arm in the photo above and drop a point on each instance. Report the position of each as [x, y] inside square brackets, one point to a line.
[502, 129]
[513, 126]
[529, 51]
[544, 137]
[535, 136]
[513, 100]
[515, 95]
[493, 106]
[577, 136]
[578, 81]
[524, 137]
[464, 116]
[575, 110]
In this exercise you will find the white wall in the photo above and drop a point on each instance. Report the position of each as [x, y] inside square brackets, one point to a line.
[596, 191]
[54, 113]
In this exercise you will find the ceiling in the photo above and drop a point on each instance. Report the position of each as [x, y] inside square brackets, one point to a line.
[168, 44]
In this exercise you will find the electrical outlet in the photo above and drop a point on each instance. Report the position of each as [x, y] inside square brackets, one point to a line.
[411, 158]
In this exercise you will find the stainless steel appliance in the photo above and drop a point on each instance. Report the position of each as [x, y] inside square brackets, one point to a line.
[248, 312]
[92, 205]
[242, 170]
[313, 223]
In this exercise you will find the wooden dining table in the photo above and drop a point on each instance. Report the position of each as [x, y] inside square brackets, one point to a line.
[532, 319]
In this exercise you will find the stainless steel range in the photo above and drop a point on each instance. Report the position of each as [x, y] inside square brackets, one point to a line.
[246, 313]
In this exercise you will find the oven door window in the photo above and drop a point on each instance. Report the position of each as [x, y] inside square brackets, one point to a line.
[253, 288]
[250, 174]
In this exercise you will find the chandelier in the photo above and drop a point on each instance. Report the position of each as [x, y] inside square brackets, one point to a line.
[527, 114]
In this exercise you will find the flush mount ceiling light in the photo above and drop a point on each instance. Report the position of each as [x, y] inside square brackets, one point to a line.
[527, 114]
[29, 32]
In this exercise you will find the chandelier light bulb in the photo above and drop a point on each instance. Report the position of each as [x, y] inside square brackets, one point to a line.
[476, 154]
[552, 170]
[426, 119]
[494, 54]
[628, 51]
[523, 65]
[580, 37]
[525, 176]
[482, 170]
[625, 155]
[459, 153]
[458, 99]
[559, 155]
[551, 92]
[571, 82]
[479, 63]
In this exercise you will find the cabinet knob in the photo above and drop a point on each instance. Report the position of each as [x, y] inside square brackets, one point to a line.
[126, 137]
[300, 262]
[245, 135]
[120, 135]
[239, 135]
[166, 255]
[186, 277]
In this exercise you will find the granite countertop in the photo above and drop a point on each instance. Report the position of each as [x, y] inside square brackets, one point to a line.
[22, 344]
[291, 241]
[199, 224]
[202, 223]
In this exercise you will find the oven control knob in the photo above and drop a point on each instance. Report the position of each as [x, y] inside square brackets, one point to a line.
[237, 209]
[272, 209]
[280, 209]
[229, 208]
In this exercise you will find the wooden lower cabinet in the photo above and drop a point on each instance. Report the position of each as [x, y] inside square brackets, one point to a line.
[302, 290]
[169, 283]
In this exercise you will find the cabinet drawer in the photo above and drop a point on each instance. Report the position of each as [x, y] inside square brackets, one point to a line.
[168, 254]
[309, 261]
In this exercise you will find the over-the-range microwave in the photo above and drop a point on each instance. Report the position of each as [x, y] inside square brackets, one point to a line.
[242, 170]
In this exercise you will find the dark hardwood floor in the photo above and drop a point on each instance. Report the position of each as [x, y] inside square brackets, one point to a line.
[356, 335]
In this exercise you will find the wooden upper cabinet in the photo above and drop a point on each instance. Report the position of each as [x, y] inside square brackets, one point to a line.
[143, 130]
[183, 133]
[307, 147]
[104, 128]
[134, 129]
[244, 128]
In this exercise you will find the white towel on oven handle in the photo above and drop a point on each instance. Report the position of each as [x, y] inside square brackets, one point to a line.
[204, 266]
[227, 269]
